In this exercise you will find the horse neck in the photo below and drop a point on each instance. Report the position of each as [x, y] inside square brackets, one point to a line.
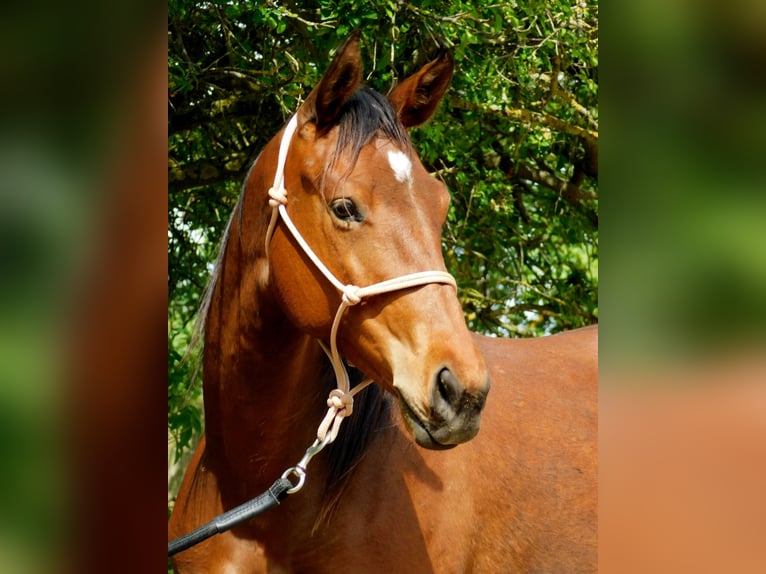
[262, 377]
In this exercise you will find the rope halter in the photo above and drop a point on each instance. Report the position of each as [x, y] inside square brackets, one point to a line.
[340, 403]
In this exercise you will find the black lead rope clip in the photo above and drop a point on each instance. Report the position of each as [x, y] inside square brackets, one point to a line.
[231, 518]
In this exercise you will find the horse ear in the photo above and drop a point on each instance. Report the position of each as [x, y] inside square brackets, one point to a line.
[325, 101]
[416, 97]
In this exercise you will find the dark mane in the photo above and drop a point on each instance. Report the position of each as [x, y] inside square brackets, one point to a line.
[367, 114]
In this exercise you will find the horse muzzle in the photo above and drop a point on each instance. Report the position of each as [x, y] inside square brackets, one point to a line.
[452, 415]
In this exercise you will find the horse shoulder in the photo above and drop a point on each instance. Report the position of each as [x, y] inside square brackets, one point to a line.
[198, 501]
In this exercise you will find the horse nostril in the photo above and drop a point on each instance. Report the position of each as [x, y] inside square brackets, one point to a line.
[448, 387]
[454, 415]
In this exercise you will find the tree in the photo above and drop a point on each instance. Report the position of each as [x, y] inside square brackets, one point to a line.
[516, 142]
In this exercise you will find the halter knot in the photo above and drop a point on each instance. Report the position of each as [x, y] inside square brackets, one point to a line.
[341, 405]
[351, 295]
[341, 401]
[278, 196]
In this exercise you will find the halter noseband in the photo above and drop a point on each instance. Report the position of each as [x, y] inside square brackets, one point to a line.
[340, 401]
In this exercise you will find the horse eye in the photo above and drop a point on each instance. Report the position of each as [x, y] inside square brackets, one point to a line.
[346, 210]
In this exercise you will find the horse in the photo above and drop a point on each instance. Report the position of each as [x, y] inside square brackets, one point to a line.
[432, 473]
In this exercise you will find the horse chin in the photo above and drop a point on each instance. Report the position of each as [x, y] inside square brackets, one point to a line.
[418, 429]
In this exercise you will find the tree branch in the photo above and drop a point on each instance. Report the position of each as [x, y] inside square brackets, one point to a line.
[568, 190]
[558, 91]
[235, 106]
[208, 171]
[528, 116]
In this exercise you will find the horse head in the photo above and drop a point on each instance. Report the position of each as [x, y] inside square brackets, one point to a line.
[371, 212]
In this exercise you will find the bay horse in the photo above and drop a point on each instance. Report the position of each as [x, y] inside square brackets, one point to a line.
[410, 484]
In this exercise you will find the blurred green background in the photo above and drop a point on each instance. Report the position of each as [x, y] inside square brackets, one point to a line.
[684, 225]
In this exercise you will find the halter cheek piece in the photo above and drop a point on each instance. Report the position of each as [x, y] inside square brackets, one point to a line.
[340, 402]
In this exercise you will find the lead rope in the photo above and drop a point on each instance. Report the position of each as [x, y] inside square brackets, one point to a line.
[341, 400]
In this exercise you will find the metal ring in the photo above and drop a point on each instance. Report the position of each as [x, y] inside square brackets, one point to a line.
[300, 473]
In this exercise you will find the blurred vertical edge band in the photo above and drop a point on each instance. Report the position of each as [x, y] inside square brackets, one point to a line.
[122, 391]
[682, 374]
[83, 230]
